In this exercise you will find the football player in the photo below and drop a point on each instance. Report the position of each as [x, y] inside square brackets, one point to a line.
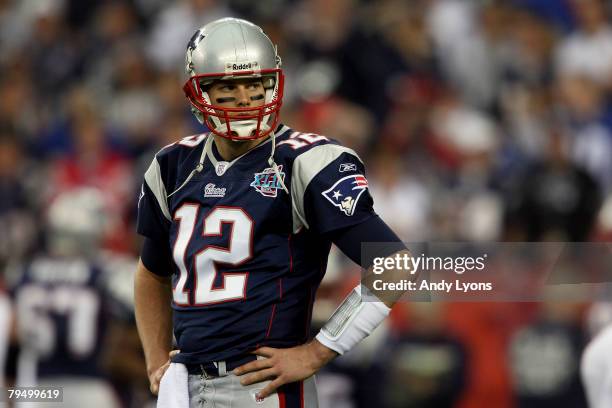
[238, 223]
[61, 300]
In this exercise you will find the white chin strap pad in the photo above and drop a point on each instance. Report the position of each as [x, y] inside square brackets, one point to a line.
[352, 322]
[245, 128]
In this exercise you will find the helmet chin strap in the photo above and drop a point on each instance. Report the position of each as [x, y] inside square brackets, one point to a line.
[274, 166]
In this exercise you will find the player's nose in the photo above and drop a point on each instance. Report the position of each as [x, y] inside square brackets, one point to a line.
[242, 96]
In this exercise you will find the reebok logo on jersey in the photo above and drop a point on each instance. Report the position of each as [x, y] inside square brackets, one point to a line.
[267, 183]
[346, 193]
[212, 190]
[347, 167]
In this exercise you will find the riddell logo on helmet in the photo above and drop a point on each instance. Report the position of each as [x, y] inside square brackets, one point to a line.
[241, 66]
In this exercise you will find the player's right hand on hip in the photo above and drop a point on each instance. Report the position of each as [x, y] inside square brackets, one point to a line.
[156, 376]
[284, 366]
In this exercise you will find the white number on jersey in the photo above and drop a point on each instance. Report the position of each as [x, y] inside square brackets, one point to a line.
[298, 140]
[36, 304]
[239, 251]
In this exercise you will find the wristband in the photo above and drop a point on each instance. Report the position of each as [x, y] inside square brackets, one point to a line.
[353, 321]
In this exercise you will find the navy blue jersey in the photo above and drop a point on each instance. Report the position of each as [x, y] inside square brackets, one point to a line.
[248, 257]
[60, 315]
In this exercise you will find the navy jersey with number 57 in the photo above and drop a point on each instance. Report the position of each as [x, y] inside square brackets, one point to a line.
[248, 257]
[62, 316]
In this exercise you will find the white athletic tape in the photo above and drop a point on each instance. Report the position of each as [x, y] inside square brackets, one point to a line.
[353, 321]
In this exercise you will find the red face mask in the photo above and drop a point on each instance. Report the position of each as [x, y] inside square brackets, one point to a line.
[254, 122]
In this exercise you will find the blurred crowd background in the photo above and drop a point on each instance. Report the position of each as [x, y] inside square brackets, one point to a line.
[478, 121]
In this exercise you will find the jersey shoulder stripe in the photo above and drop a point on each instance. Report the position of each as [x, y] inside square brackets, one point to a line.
[155, 183]
[168, 164]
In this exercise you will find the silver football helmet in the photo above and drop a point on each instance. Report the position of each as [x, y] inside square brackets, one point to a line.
[227, 49]
[77, 221]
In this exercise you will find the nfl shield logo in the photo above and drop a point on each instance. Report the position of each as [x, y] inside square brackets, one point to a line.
[346, 192]
[221, 167]
[267, 183]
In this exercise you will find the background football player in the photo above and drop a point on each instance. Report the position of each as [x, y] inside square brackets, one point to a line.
[63, 304]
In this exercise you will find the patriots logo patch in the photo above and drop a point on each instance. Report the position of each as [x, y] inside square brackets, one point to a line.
[267, 183]
[346, 193]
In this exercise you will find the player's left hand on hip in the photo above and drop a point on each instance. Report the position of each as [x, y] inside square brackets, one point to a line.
[284, 366]
[156, 376]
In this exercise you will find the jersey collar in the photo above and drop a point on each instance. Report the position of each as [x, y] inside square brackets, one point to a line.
[221, 166]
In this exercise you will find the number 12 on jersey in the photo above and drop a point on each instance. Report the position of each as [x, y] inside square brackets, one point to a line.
[205, 271]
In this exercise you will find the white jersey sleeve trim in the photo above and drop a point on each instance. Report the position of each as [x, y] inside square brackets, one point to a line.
[305, 167]
[154, 181]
